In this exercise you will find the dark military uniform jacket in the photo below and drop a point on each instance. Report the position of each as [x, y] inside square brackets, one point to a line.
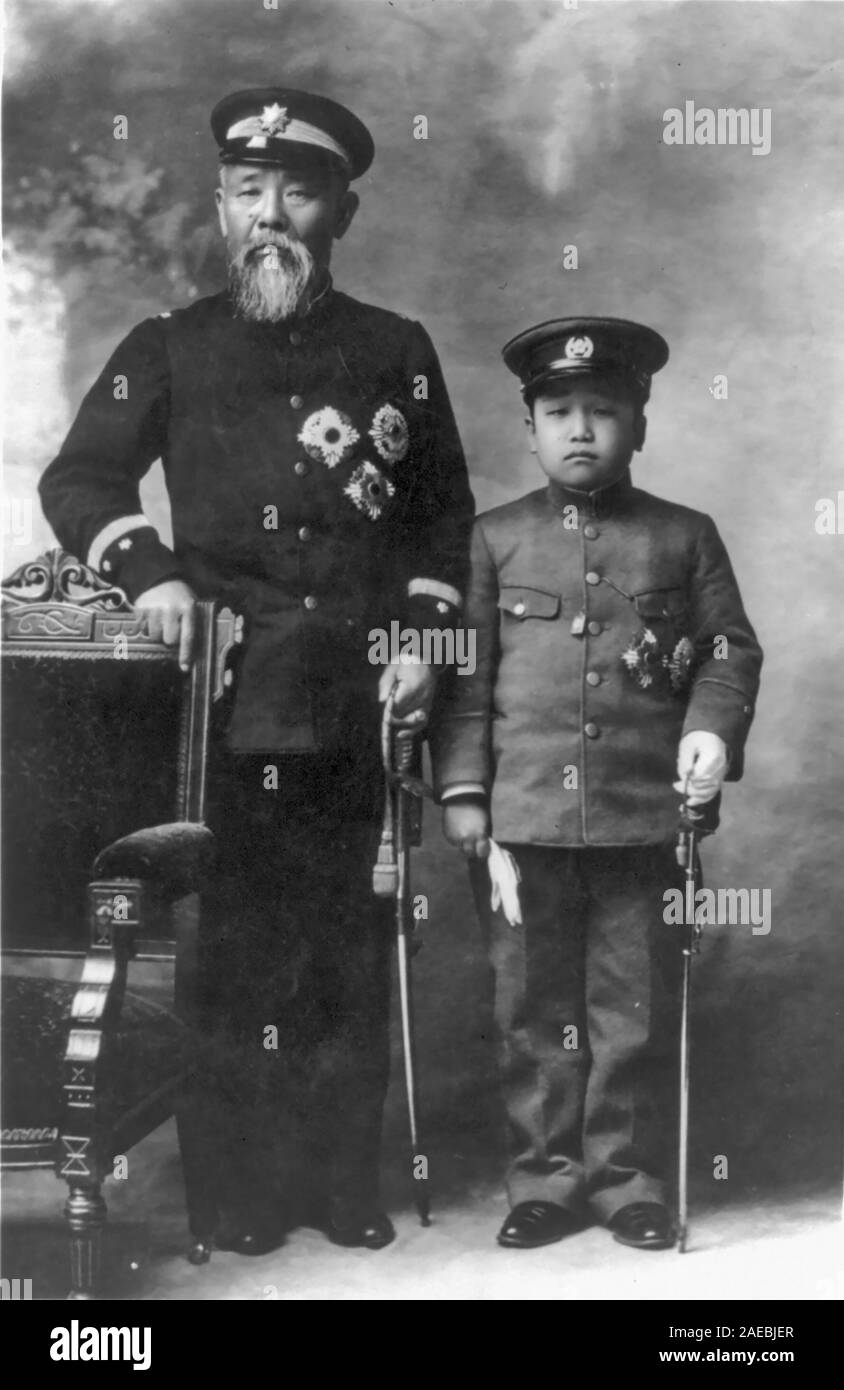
[316, 483]
[598, 646]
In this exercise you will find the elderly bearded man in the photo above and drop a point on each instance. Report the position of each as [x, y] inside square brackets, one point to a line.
[317, 485]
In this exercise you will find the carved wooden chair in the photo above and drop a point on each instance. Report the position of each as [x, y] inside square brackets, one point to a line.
[104, 848]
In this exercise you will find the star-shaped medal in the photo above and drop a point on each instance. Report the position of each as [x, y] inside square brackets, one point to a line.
[274, 119]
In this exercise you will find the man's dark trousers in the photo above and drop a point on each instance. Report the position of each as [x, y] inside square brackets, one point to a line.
[294, 992]
[593, 1111]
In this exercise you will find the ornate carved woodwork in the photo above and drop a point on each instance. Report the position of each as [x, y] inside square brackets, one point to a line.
[55, 609]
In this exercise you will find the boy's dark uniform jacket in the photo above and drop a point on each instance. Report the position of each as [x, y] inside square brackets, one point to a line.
[555, 610]
[373, 506]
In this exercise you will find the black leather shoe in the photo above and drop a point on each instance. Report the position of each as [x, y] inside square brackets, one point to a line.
[369, 1228]
[537, 1223]
[257, 1239]
[200, 1251]
[644, 1225]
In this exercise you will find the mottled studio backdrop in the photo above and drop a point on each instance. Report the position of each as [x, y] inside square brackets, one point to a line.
[544, 130]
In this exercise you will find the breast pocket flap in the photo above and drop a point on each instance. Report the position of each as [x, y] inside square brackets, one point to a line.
[661, 603]
[525, 602]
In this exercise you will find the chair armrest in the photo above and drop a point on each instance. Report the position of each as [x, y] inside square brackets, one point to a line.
[175, 858]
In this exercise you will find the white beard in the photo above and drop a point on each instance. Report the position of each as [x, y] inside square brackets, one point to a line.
[267, 287]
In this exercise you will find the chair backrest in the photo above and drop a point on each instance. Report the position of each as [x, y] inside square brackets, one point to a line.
[102, 735]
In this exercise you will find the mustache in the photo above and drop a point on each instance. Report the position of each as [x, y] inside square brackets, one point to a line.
[290, 248]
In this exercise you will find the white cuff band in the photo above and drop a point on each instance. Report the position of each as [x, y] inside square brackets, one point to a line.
[111, 533]
[463, 789]
[432, 588]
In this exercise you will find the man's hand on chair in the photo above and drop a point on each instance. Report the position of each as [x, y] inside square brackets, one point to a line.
[170, 612]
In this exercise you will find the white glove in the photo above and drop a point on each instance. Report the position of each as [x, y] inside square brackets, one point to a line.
[702, 762]
[504, 878]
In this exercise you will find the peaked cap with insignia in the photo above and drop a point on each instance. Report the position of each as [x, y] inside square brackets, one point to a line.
[564, 349]
[268, 125]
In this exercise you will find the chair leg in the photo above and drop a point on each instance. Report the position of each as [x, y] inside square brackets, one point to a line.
[85, 1210]
[197, 1147]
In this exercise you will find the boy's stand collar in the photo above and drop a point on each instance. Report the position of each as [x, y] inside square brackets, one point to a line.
[600, 503]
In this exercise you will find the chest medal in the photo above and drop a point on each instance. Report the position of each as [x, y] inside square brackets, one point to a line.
[329, 437]
[648, 662]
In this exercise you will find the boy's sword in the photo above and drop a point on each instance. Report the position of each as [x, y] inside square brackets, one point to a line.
[688, 856]
[695, 822]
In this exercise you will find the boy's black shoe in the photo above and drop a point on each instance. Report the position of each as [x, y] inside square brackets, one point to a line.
[537, 1223]
[644, 1225]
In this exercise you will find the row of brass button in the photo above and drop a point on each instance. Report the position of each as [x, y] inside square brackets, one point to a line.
[593, 678]
[300, 468]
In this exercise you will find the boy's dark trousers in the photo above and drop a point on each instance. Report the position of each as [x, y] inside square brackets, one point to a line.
[595, 1121]
[292, 940]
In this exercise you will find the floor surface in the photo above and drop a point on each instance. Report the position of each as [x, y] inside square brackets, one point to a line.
[746, 1249]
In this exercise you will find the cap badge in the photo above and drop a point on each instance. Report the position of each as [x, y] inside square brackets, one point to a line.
[577, 349]
[274, 119]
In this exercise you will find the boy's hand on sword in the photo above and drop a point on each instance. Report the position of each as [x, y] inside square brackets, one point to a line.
[702, 762]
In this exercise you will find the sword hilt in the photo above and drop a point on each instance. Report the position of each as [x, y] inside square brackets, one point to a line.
[703, 819]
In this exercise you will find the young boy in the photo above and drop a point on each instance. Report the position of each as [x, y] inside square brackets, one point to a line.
[615, 668]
